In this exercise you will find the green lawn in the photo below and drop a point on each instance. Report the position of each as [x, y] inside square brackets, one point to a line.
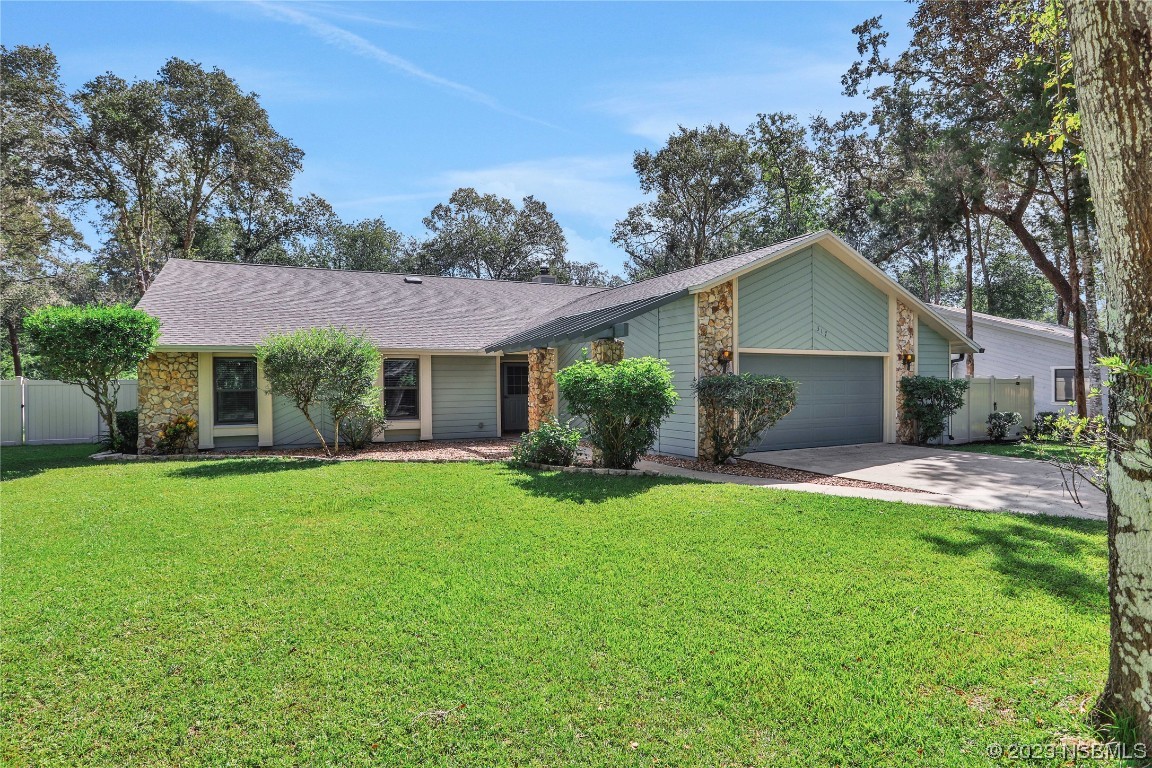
[263, 612]
[1045, 449]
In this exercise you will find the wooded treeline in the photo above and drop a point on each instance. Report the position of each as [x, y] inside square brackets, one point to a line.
[187, 165]
[960, 174]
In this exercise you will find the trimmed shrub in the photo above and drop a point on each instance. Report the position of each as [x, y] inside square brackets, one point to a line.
[747, 404]
[93, 346]
[321, 366]
[127, 430]
[622, 405]
[362, 422]
[930, 402]
[999, 422]
[551, 443]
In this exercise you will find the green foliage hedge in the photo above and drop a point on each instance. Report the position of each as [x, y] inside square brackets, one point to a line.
[751, 403]
[930, 402]
[999, 422]
[622, 405]
[551, 443]
[127, 431]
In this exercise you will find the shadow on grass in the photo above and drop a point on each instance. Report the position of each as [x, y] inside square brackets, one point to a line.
[585, 488]
[217, 468]
[20, 461]
[1032, 557]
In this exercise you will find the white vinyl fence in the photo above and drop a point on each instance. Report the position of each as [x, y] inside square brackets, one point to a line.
[986, 395]
[36, 412]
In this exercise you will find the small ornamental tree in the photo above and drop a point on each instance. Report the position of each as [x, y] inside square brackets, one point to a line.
[93, 346]
[321, 368]
[930, 402]
[621, 404]
[742, 406]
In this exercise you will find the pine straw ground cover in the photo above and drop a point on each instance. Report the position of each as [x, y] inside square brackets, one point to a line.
[273, 612]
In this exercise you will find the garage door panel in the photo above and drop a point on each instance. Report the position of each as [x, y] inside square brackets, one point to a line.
[839, 400]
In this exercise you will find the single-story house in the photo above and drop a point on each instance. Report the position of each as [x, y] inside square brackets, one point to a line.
[1013, 348]
[468, 358]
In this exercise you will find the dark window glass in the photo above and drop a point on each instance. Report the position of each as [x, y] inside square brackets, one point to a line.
[1065, 385]
[516, 380]
[235, 385]
[402, 389]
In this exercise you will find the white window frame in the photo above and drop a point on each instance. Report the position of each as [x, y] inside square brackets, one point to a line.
[1052, 383]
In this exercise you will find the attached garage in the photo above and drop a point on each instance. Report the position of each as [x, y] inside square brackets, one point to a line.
[840, 399]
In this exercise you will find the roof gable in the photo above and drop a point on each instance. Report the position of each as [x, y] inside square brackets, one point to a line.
[593, 314]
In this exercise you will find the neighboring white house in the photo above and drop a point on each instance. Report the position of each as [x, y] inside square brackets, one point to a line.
[1022, 348]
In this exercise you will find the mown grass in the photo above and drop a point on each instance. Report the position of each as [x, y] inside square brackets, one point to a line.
[265, 612]
[1043, 449]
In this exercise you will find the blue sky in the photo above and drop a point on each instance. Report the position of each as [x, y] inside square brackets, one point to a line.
[397, 104]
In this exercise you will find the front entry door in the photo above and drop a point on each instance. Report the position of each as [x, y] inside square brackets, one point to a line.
[514, 394]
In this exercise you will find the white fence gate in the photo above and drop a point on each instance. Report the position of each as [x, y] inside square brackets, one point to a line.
[986, 395]
[36, 412]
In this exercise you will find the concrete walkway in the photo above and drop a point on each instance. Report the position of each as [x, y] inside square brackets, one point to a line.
[949, 478]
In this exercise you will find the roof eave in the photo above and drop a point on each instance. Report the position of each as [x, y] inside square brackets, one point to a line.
[521, 342]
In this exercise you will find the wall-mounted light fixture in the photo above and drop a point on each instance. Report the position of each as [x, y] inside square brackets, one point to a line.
[907, 358]
[724, 357]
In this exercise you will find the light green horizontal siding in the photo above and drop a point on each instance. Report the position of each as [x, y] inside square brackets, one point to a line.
[932, 353]
[643, 339]
[463, 397]
[401, 435]
[669, 333]
[811, 300]
[566, 355]
[678, 347]
[235, 442]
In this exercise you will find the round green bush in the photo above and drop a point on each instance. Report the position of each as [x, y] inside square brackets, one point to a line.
[551, 443]
[622, 405]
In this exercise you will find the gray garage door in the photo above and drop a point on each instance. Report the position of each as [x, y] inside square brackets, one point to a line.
[839, 400]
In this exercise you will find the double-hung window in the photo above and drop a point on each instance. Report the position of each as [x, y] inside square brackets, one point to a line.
[402, 389]
[1064, 381]
[235, 389]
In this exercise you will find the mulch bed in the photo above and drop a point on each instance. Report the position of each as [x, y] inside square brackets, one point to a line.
[493, 449]
[746, 468]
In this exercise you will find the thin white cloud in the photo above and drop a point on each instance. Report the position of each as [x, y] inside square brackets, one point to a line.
[353, 43]
[785, 81]
[586, 193]
[597, 188]
[337, 12]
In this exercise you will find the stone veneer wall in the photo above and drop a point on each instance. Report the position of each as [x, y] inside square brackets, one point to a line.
[905, 344]
[541, 385]
[168, 387]
[607, 351]
[714, 333]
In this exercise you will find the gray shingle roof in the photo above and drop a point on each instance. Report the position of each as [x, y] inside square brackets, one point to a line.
[1036, 326]
[591, 314]
[215, 304]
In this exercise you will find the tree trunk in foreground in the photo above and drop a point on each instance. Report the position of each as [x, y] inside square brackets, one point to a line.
[14, 344]
[1112, 50]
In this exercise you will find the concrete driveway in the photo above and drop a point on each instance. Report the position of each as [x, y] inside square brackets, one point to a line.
[972, 480]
